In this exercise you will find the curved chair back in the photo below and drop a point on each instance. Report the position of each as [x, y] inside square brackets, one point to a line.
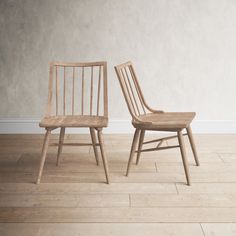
[77, 89]
[131, 90]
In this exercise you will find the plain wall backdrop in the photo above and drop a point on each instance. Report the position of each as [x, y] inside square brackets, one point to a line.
[184, 51]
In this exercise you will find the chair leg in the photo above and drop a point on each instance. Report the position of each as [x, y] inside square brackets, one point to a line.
[94, 141]
[140, 145]
[103, 154]
[43, 155]
[191, 140]
[132, 151]
[183, 154]
[61, 140]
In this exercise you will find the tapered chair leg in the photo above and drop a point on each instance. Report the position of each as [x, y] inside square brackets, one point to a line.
[43, 155]
[94, 142]
[140, 145]
[183, 154]
[191, 140]
[132, 151]
[103, 154]
[61, 140]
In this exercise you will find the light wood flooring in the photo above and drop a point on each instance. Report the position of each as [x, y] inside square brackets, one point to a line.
[73, 199]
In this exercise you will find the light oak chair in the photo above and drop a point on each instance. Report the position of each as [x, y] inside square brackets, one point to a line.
[77, 97]
[145, 118]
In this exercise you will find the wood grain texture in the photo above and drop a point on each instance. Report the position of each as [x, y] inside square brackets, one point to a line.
[117, 215]
[61, 200]
[85, 188]
[104, 229]
[183, 200]
[217, 188]
[152, 200]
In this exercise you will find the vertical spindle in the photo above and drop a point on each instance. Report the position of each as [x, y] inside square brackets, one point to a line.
[82, 92]
[137, 87]
[131, 89]
[128, 91]
[105, 101]
[56, 93]
[64, 93]
[73, 92]
[99, 86]
[91, 92]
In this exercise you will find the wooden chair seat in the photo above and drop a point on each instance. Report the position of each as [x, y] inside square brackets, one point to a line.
[74, 121]
[166, 121]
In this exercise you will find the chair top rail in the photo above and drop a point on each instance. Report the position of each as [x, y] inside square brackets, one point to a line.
[79, 64]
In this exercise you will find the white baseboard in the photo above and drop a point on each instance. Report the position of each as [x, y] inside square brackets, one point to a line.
[30, 126]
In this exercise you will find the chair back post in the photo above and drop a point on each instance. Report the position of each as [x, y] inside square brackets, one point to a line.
[105, 93]
[50, 87]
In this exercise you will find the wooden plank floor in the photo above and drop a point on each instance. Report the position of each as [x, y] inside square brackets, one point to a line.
[154, 200]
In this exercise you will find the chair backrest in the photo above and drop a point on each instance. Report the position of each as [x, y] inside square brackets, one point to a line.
[131, 90]
[77, 89]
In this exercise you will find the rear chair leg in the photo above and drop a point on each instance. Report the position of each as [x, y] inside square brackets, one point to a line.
[132, 151]
[140, 145]
[103, 154]
[61, 140]
[191, 140]
[94, 142]
[43, 155]
[183, 154]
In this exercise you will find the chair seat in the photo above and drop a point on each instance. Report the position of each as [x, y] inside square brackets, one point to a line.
[74, 121]
[167, 121]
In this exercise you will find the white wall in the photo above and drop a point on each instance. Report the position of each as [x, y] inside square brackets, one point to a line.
[184, 52]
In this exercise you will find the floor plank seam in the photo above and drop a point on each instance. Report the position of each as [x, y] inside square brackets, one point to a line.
[120, 207]
[116, 222]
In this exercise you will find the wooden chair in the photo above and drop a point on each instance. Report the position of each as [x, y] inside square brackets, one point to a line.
[77, 97]
[145, 118]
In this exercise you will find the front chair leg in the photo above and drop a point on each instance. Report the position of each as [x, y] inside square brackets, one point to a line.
[103, 154]
[43, 155]
[132, 151]
[191, 140]
[140, 145]
[61, 140]
[94, 142]
[183, 154]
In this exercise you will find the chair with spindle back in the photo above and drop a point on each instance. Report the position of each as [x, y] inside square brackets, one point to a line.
[77, 97]
[145, 118]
